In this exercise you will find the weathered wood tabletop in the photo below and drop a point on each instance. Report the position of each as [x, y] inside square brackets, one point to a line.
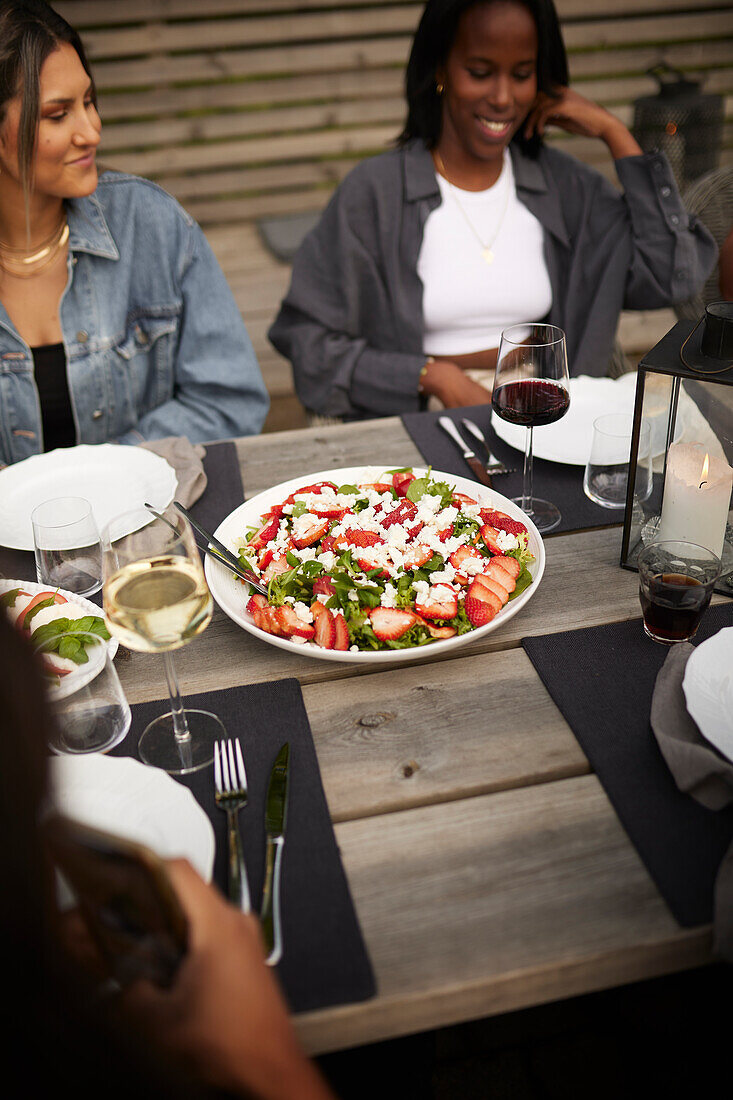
[488, 869]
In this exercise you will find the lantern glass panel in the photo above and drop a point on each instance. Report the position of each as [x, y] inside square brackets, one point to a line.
[690, 411]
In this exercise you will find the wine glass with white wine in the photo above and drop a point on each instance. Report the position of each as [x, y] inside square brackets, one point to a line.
[156, 600]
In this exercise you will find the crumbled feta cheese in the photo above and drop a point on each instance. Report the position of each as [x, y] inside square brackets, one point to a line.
[507, 541]
[303, 612]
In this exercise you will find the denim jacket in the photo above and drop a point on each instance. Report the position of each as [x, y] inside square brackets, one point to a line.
[154, 341]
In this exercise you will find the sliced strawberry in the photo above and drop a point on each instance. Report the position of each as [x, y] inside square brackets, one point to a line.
[266, 618]
[324, 586]
[503, 522]
[416, 555]
[342, 640]
[266, 533]
[265, 558]
[310, 532]
[390, 623]
[464, 554]
[478, 611]
[494, 569]
[317, 608]
[328, 544]
[490, 536]
[367, 559]
[403, 513]
[328, 511]
[510, 564]
[325, 629]
[401, 482]
[291, 624]
[23, 619]
[413, 532]
[441, 603]
[481, 591]
[255, 602]
[362, 538]
[495, 585]
[318, 487]
[377, 487]
[461, 498]
[446, 533]
[277, 566]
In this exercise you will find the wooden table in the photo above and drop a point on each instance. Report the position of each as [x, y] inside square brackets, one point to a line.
[487, 866]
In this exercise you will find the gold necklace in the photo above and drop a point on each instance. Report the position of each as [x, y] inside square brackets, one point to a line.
[18, 263]
[487, 247]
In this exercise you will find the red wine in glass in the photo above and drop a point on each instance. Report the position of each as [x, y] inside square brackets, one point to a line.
[531, 403]
[531, 388]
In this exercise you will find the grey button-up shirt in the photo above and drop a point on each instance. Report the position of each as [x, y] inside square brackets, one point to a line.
[352, 323]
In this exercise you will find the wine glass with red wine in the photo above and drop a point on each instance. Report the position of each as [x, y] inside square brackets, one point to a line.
[531, 387]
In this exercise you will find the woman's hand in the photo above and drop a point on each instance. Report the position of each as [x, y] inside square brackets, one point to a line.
[578, 115]
[224, 1020]
[445, 380]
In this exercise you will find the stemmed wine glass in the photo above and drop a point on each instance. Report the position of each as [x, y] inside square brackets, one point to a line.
[156, 599]
[531, 387]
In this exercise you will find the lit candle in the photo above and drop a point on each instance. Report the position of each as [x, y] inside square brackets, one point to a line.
[696, 501]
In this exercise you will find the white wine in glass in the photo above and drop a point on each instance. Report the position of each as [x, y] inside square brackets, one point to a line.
[156, 599]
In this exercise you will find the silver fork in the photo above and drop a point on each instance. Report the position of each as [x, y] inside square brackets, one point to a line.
[230, 782]
[493, 464]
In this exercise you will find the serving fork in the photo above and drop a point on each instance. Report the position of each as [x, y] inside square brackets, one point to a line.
[493, 464]
[230, 783]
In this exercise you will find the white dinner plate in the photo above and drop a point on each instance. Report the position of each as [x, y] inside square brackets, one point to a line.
[232, 595]
[84, 674]
[708, 688]
[123, 796]
[569, 439]
[114, 479]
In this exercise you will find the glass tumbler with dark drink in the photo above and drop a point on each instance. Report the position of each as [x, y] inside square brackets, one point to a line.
[531, 387]
[676, 581]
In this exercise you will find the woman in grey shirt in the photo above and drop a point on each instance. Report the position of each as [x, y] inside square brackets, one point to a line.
[483, 77]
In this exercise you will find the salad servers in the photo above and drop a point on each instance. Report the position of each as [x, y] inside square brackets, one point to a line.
[220, 553]
[493, 464]
[230, 783]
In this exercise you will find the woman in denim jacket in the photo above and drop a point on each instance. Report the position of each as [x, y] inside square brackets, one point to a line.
[116, 322]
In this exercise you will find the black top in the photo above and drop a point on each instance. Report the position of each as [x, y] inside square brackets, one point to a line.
[57, 418]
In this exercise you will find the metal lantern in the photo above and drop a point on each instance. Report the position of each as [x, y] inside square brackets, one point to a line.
[684, 393]
[682, 122]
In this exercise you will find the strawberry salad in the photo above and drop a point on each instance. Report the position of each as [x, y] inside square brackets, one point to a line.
[63, 631]
[396, 563]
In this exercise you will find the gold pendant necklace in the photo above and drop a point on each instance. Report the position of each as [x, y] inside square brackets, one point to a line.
[21, 265]
[487, 247]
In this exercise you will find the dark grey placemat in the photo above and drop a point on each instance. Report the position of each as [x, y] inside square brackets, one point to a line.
[325, 961]
[223, 493]
[602, 680]
[561, 484]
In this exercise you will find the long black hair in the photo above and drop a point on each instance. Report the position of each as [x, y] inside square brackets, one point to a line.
[433, 42]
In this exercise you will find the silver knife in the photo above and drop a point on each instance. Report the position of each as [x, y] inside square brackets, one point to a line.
[476, 466]
[276, 810]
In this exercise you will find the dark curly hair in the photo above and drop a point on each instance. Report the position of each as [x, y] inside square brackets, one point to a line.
[433, 42]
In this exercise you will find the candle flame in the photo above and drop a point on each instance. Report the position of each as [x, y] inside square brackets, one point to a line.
[704, 471]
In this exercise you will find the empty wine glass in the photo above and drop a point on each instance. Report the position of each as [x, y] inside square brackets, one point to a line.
[531, 387]
[156, 599]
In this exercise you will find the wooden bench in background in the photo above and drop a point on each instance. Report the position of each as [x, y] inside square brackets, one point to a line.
[245, 109]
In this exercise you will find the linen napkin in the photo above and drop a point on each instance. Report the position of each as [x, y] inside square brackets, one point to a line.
[187, 460]
[698, 769]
